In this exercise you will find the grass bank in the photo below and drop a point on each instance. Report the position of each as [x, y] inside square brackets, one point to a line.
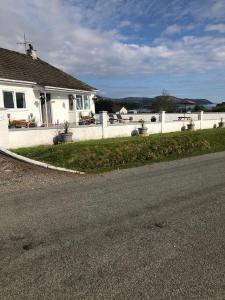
[104, 155]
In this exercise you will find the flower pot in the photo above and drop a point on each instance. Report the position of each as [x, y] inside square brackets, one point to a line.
[32, 124]
[66, 137]
[143, 130]
[190, 126]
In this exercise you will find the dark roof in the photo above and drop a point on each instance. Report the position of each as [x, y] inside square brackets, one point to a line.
[186, 102]
[18, 66]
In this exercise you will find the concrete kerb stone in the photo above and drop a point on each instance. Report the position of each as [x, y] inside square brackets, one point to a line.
[37, 163]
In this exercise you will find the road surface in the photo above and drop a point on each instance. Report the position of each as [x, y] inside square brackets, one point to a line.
[154, 232]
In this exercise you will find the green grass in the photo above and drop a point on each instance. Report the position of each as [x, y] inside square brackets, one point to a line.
[104, 155]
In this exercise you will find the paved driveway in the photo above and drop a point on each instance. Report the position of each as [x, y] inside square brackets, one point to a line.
[155, 232]
[16, 175]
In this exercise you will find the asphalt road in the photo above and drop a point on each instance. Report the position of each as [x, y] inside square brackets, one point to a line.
[154, 232]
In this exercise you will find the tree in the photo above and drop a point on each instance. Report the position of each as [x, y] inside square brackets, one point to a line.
[219, 107]
[198, 107]
[164, 103]
[106, 105]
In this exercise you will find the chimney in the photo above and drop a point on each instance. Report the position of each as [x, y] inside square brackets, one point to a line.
[31, 52]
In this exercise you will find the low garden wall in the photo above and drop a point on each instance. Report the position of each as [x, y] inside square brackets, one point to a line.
[16, 138]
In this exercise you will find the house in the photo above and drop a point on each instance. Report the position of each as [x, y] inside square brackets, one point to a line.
[32, 88]
[122, 111]
[132, 111]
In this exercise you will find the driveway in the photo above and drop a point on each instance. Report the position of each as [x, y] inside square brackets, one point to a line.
[154, 232]
[16, 175]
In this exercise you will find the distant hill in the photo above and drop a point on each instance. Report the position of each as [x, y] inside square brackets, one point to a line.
[137, 103]
[147, 100]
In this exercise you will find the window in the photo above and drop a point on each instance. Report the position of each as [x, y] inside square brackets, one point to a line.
[83, 102]
[71, 106]
[8, 99]
[20, 100]
[86, 102]
[14, 100]
[79, 102]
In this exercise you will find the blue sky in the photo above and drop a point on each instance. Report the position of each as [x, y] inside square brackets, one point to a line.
[127, 47]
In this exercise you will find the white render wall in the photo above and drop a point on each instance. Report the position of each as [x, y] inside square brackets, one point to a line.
[18, 138]
[174, 116]
[4, 132]
[59, 104]
[32, 102]
[15, 138]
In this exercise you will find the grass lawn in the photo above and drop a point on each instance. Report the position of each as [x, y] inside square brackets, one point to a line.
[108, 154]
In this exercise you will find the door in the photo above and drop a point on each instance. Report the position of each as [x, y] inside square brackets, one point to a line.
[46, 110]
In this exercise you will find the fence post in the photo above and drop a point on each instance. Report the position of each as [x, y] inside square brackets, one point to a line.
[163, 120]
[200, 118]
[103, 115]
[4, 130]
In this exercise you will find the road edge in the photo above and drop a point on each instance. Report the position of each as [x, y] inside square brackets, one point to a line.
[37, 163]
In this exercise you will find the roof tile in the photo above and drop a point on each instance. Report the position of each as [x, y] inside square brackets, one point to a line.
[18, 66]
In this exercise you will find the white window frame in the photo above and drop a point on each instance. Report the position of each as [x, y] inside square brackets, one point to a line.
[89, 102]
[73, 104]
[25, 102]
[77, 102]
[14, 98]
[83, 106]
[8, 91]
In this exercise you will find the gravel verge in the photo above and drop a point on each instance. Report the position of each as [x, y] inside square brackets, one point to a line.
[17, 175]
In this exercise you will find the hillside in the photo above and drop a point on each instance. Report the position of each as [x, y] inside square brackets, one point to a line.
[137, 103]
[146, 100]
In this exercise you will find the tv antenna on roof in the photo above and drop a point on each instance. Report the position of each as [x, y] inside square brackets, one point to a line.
[25, 43]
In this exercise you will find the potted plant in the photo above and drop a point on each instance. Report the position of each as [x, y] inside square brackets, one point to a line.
[221, 123]
[143, 130]
[11, 124]
[153, 119]
[66, 136]
[32, 122]
[191, 125]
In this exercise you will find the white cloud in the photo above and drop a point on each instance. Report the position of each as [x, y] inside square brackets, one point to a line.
[211, 9]
[217, 9]
[176, 28]
[216, 27]
[128, 24]
[63, 38]
[172, 29]
[124, 24]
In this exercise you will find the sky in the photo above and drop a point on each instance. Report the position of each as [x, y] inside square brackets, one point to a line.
[126, 47]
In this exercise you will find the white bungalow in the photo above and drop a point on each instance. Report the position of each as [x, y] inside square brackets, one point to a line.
[122, 111]
[32, 88]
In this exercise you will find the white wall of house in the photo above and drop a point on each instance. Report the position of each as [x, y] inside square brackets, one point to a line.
[123, 111]
[59, 107]
[76, 114]
[59, 104]
[32, 103]
[4, 132]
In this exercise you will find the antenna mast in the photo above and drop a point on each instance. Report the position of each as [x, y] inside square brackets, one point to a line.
[25, 43]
